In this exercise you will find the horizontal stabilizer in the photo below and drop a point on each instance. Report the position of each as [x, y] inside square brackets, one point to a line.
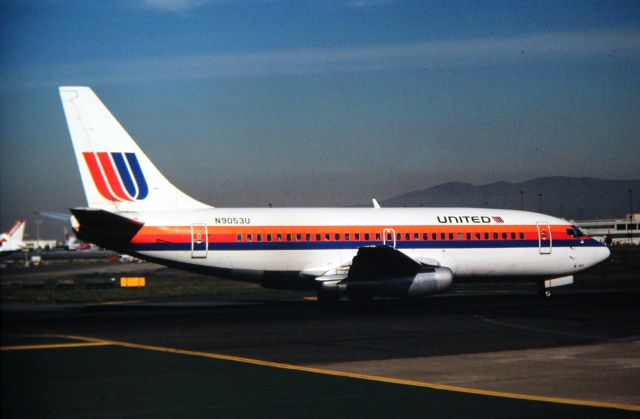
[104, 228]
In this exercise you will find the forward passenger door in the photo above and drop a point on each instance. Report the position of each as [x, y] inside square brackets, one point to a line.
[545, 241]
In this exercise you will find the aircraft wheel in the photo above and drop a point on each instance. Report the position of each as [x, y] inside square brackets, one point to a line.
[544, 291]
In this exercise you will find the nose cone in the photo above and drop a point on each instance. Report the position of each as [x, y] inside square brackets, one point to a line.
[600, 253]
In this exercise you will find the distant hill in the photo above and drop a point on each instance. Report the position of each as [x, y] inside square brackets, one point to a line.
[573, 198]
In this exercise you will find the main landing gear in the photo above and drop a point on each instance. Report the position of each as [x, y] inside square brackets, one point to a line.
[543, 291]
[355, 300]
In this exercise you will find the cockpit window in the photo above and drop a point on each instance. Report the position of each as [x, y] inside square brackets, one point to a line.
[575, 232]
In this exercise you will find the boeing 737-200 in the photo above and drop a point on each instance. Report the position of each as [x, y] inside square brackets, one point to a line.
[360, 252]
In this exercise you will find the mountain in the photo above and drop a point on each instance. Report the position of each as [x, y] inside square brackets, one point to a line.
[572, 198]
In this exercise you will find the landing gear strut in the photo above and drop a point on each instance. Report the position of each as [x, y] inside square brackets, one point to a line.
[543, 291]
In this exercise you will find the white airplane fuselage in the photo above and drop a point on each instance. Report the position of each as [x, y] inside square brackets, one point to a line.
[307, 242]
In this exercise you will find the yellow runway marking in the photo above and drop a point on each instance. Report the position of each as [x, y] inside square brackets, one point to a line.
[412, 383]
[53, 346]
[114, 303]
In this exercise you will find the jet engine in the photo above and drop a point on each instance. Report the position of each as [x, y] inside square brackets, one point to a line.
[425, 282]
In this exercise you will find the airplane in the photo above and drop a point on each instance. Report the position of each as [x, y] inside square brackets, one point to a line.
[71, 242]
[11, 241]
[358, 252]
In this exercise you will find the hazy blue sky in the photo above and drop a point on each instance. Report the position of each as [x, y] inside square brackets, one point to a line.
[246, 102]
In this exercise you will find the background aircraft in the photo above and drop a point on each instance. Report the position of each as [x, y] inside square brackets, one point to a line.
[12, 240]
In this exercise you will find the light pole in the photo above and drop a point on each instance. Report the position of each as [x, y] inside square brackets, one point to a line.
[630, 225]
[38, 222]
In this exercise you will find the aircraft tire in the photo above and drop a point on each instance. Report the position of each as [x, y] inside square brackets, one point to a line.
[544, 291]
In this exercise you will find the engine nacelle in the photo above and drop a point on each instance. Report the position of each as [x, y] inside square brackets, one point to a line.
[422, 283]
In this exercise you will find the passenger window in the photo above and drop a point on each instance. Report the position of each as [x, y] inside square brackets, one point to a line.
[486, 236]
[443, 236]
[327, 237]
[378, 236]
[521, 236]
[259, 237]
[460, 236]
[308, 237]
[269, 237]
[318, 237]
[407, 236]
[279, 237]
[513, 236]
[239, 237]
[337, 237]
[504, 236]
[249, 237]
[366, 236]
[450, 236]
[495, 236]
[425, 236]
[468, 236]
[347, 236]
[357, 236]
[298, 237]
[478, 236]
[434, 236]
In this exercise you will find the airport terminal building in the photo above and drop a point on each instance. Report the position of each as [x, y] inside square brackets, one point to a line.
[623, 231]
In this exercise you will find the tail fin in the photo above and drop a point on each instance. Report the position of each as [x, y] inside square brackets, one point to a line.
[17, 231]
[116, 174]
[12, 240]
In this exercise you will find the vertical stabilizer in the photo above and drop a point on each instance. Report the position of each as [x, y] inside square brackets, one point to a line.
[12, 241]
[116, 174]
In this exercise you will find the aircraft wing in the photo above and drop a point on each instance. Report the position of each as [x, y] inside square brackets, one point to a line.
[55, 215]
[385, 271]
[380, 262]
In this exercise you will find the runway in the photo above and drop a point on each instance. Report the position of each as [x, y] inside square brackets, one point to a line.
[581, 347]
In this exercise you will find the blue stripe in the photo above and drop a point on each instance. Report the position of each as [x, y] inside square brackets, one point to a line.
[124, 173]
[462, 244]
[143, 190]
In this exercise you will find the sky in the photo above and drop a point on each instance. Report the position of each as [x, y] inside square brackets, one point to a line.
[321, 103]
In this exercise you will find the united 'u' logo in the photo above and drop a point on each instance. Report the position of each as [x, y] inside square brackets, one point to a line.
[117, 176]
